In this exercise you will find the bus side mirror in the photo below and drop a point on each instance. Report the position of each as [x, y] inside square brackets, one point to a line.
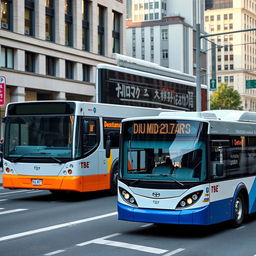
[86, 127]
[219, 170]
[108, 147]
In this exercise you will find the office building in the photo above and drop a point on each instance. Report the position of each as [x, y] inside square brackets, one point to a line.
[236, 52]
[163, 32]
[50, 48]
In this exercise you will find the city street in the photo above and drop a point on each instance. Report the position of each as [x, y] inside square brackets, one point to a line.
[35, 222]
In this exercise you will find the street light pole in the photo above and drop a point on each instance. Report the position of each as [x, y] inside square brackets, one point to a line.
[198, 67]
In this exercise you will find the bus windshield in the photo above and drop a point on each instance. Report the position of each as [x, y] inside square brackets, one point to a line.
[40, 137]
[164, 150]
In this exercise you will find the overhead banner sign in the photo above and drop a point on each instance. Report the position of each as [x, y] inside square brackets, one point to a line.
[2, 90]
[130, 89]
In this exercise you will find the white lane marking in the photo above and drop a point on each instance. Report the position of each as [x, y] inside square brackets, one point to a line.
[174, 252]
[131, 246]
[242, 227]
[13, 211]
[34, 191]
[136, 247]
[92, 241]
[58, 226]
[146, 225]
[2, 200]
[54, 253]
[13, 192]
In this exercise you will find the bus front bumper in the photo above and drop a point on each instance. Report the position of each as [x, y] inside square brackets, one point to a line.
[199, 216]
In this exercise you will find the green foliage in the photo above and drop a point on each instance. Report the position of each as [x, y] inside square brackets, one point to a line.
[226, 98]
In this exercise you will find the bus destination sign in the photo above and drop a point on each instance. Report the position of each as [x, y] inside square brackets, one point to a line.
[161, 128]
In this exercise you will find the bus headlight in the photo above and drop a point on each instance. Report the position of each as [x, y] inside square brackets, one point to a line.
[127, 196]
[189, 199]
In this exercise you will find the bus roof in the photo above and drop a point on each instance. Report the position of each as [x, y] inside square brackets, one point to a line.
[100, 109]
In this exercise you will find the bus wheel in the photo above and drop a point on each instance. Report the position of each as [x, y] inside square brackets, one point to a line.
[239, 210]
[113, 181]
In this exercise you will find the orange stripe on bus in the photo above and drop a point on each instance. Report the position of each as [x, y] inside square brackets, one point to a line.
[71, 183]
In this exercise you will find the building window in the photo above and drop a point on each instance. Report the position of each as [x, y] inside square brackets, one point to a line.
[157, 16]
[165, 54]
[225, 57]
[219, 79]
[7, 14]
[29, 18]
[231, 47]
[101, 30]
[231, 57]
[231, 16]
[69, 69]
[219, 67]
[225, 16]
[212, 18]
[7, 57]
[146, 17]
[49, 20]
[50, 66]
[231, 79]
[68, 23]
[231, 67]
[86, 73]
[30, 60]
[116, 31]
[86, 25]
[226, 67]
[164, 34]
[206, 18]
[218, 17]
[219, 57]
[151, 16]
[225, 79]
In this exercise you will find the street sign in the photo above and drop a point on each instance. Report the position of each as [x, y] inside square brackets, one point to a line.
[250, 84]
[2, 90]
[213, 85]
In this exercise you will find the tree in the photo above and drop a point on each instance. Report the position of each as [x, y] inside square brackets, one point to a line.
[226, 98]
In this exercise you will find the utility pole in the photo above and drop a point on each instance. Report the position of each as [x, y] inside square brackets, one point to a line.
[198, 58]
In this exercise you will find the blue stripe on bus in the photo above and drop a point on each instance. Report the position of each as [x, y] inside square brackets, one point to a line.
[213, 213]
[199, 216]
[252, 198]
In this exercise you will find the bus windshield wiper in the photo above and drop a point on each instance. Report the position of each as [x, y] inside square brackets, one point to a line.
[18, 158]
[26, 155]
[166, 175]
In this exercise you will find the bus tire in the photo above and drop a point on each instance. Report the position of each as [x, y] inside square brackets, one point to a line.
[239, 210]
[114, 178]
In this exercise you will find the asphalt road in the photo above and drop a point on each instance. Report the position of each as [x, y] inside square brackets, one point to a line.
[34, 222]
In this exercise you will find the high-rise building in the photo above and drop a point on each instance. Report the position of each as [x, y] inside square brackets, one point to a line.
[163, 32]
[236, 52]
[50, 48]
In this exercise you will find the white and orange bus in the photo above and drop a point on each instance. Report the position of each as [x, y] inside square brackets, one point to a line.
[64, 145]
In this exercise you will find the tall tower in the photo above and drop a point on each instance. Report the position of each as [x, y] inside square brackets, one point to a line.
[236, 54]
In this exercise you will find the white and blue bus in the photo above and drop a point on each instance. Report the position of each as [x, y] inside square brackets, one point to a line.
[196, 168]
